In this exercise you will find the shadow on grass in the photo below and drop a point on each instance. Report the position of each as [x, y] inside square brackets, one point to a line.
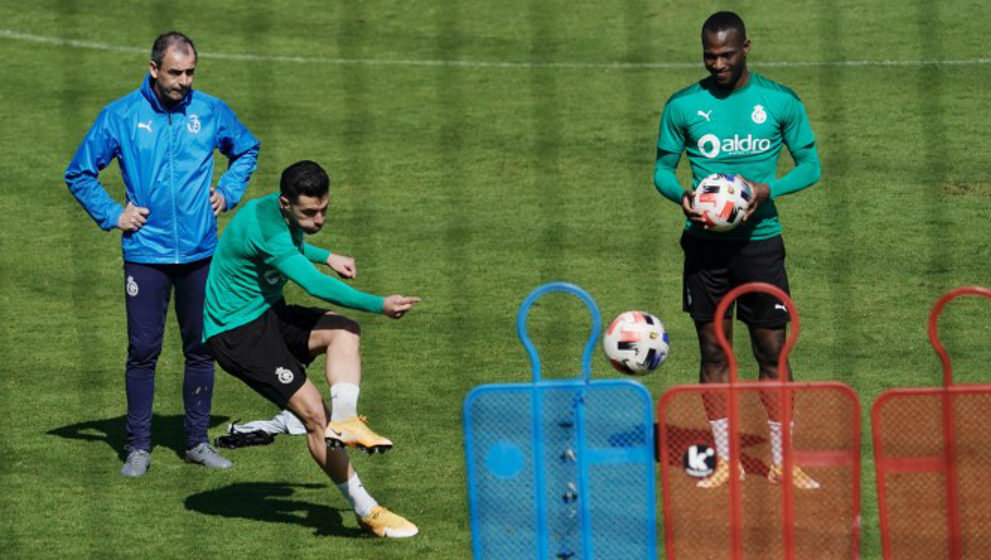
[271, 502]
[167, 431]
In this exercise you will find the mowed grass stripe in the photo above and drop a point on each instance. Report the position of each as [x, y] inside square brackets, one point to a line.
[94, 381]
[833, 149]
[13, 34]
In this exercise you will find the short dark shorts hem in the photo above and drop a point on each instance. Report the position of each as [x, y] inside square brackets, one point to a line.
[713, 267]
[271, 352]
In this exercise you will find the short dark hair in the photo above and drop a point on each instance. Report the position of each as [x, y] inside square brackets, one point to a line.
[724, 21]
[304, 178]
[170, 39]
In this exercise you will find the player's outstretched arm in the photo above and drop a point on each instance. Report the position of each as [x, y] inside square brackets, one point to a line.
[396, 306]
[301, 271]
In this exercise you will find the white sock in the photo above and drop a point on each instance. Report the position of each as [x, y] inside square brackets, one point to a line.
[774, 427]
[343, 401]
[720, 433]
[361, 501]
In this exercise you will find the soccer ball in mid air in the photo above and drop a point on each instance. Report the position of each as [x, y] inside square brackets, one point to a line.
[636, 343]
[723, 200]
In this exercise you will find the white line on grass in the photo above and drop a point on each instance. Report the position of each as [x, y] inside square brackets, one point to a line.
[77, 44]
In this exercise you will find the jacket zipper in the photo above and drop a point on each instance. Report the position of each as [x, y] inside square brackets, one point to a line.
[175, 213]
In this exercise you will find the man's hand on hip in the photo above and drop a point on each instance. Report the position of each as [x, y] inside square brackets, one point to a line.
[217, 201]
[132, 218]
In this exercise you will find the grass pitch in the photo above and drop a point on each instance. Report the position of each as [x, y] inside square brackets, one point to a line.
[477, 150]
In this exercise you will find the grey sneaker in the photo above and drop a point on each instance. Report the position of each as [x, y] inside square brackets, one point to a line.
[137, 463]
[204, 454]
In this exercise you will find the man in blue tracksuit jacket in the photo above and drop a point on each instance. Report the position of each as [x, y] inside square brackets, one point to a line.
[163, 136]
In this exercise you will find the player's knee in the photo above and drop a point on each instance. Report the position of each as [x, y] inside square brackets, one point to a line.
[713, 356]
[198, 352]
[767, 353]
[346, 332]
[314, 419]
[143, 354]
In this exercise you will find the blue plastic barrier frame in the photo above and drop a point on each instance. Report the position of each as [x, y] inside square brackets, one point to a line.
[585, 457]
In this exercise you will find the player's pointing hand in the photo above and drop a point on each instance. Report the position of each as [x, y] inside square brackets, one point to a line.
[396, 306]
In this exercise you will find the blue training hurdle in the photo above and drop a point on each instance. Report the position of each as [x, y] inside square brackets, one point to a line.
[561, 469]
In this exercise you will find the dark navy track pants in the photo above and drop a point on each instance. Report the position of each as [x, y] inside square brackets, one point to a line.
[148, 288]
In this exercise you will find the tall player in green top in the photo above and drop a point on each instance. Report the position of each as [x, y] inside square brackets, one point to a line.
[735, 121]
[266, 343]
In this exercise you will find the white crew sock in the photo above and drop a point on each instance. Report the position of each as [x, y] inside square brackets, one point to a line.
[343, 401]
[774, 427]
[720, 433]
[361, 501]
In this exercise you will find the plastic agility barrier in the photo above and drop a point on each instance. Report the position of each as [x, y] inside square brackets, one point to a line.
[561, 469]
[761, 517]
[932, 452]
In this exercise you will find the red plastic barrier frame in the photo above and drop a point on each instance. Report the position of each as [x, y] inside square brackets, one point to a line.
[949, 461]
[805, 458]
[735, 494]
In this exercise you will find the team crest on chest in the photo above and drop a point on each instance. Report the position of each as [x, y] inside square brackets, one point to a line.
[758, 116]
[193, 124]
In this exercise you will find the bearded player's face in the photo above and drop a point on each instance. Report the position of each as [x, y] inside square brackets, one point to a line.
[725, 55]
[308, 213]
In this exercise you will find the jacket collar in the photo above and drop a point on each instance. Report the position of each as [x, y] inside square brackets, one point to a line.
[149, 93]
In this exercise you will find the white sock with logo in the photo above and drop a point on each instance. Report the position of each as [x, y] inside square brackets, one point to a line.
[343, 401]
[720, 434]
[361, 501]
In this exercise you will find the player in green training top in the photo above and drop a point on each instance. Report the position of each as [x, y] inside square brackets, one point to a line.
[266, 343]
[736, 122]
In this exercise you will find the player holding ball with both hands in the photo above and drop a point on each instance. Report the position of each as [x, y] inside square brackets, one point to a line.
[736, 122]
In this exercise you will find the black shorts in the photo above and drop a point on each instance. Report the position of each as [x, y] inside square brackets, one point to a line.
[271, 352]
[714, 267]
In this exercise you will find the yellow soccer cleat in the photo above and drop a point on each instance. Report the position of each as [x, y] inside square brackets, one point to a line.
[353, 432]
[383, 523]
[720, 476]
[799, 479]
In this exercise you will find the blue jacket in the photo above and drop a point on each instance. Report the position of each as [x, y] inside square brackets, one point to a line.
[166, 162]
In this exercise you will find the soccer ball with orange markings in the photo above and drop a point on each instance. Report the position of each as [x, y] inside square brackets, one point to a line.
[636, 343]
[723, 200]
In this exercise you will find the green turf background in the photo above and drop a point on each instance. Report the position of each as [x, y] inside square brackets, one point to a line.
[467, 184]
